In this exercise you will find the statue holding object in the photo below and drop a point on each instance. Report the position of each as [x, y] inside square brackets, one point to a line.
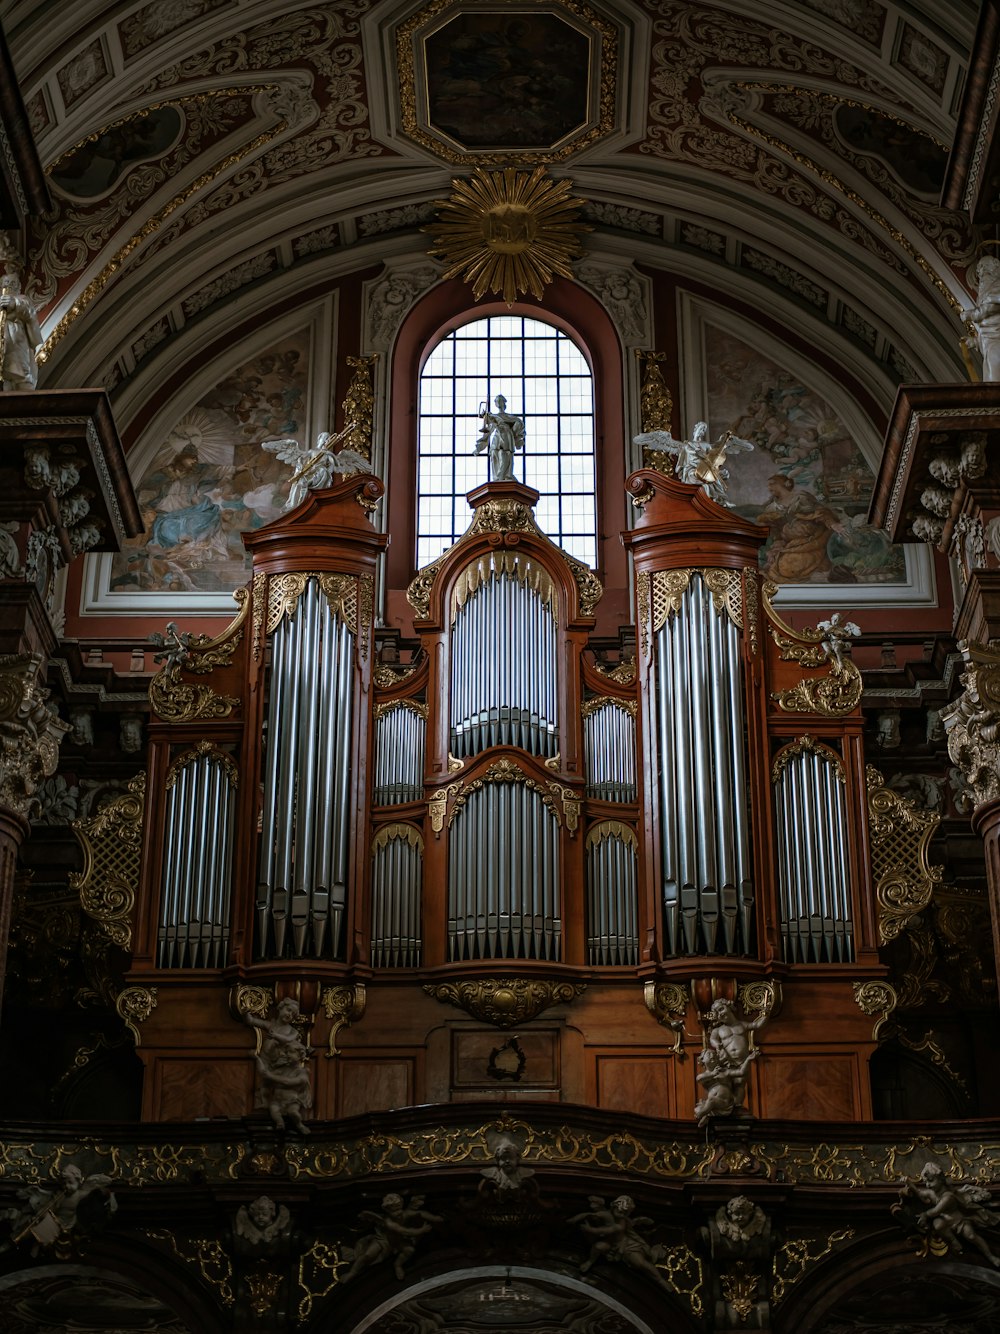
[315, 469]
[699, 462]
[502, 433]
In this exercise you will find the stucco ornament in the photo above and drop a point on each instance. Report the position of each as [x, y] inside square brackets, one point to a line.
[972, 722]
[30, 733]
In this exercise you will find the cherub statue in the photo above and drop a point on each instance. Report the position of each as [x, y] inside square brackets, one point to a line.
[952, 1213]
[174, 646]
[508, 1176]
[315, 468]
[284, 1085]
[261, 1222]
[741, 1222]
[396, 1229]
[616, 1233]
[49, 1213]
[503, 433]
[699, 462]
[837, 633]
[725, 1061]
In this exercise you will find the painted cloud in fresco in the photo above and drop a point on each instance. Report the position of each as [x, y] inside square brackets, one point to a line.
[210, 481]
[806, 479]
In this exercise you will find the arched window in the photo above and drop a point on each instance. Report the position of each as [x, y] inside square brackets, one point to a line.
[546, 379]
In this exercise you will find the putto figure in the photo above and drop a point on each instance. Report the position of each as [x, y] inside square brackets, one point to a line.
[49, 1213]
[20, 336]
[725, 1061]
[502, 433]
[699, 462]
[952, 1213]
[315, 469]
[394, 1235]
[284, 1086]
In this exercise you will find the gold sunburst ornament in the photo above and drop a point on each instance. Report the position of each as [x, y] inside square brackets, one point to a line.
[508, 231]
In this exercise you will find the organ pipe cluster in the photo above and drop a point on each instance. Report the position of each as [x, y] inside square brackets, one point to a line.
[814, 895]
[197, 868]
[612, 895]
[503, 876]
[400, 735]
[609, 743]
[503, 684]
[302, 877]
[397, 870]
[707, 887]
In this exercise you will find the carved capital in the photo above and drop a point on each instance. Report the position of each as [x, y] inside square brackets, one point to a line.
[30, 733]
[505, 1001]
[972, 723]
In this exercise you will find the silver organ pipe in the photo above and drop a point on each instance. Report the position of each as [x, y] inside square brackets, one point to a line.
[397, 873]
[813, 887]
[703, 790]
[400, 736]
[302, 876]
[193, 929]
[609, 745]
[504, 656]
[503, 876]
[612, 894]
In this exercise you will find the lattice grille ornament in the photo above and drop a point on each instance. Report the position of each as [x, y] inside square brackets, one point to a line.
[900, 838]
[112, 846]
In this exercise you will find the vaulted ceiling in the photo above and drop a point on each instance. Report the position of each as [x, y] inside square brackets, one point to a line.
[212, 161]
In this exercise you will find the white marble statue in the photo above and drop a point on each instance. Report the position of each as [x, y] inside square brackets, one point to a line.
[315, 469]
[699, 462]
[503, 433]
[985, 315]
[20, 336]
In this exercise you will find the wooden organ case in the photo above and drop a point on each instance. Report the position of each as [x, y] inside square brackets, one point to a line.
[503, 847]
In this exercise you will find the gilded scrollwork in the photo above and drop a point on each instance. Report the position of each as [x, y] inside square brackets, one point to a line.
[386, 677]
[656, 405]
[359, 405]
[972, 722]
[643, 582]
[30, 733]
[794, 1259]
[667, 1002]
[900, 841]
[391, 705]
[751, 584]
[177, 701]
[318, 1274]
[343, 1006]
[506, 771]
[505, 1001]
[570, 805]
[590, 706]
[623, 673]
[668, 589]
[134, 1006]
[111, 842]
[205, 1254]
[259, 595]
[726, 588]
[437, 805]
[800, 745]
[201, 750]
[876, 997]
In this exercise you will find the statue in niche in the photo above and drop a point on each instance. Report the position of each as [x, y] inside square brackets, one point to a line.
[284, 1086]
[48, 1213]
[952, 1214]
[502, 433]
[984, 317]
[20, 336]
[617, 1236]
[262, 1223]
[315, 469]
[394, 1235]
[725, 1062]
[699, 462]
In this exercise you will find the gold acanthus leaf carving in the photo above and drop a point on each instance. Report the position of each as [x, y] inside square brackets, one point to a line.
[386, 677]
[437, 805]
[111, 842]
[801, 745]
[359, 405]
[876, 998]
[667, 1002]
[831, 696]
[656, 405]
[668, 589]
[177, 701]
[505, 1001]
[900, 840]
[134, 1006]
[506, 771]
[204, 749]
[623, 673]
[343, 1006]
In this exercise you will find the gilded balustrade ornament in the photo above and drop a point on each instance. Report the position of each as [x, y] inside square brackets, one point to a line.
[505, 1001]
[900, 841]
[343, 1006]
[111, 842]
[30, 733]
[177, 701]
[972, 722]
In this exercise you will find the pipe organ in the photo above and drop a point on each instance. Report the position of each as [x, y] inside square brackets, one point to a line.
[503, 803]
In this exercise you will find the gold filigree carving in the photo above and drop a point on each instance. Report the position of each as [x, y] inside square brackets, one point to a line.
[900, 842]
[111, 842]
[669, 587]
[345, 1005]
[506, 771]
[505, 1001]
[391, 705]
[508, 232]
[655, 403]
[685, 1274]
[386, 677]
[318, 1274]
[832, 695]
[876, 997]
[739, 1288]
[642, 603]
[798, 747]
[596, 702]
[206, 1255]
[259, 595]
[522, 568]
[365, 605]
[751, 582]
[797, 1256]
[30, 734]
[972, 722]
[203, 749]
[726, 588]
[359, 405]
[437, 805]
[134, 1006]
[570, 805]
[667, 1002]
[177, 701]
[761, 1002]
[262, 1287]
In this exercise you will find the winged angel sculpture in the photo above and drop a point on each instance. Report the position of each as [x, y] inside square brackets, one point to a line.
[698, 461]
[316, 468]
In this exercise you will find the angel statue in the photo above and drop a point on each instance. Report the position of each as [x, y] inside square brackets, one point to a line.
[47, 1213]
[394, 1234]
[502, 433]
[951, 1213]
[315, 468]
[698, 461]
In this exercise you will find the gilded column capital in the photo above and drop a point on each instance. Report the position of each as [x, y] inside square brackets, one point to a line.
[972, 722]
[30, 733]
